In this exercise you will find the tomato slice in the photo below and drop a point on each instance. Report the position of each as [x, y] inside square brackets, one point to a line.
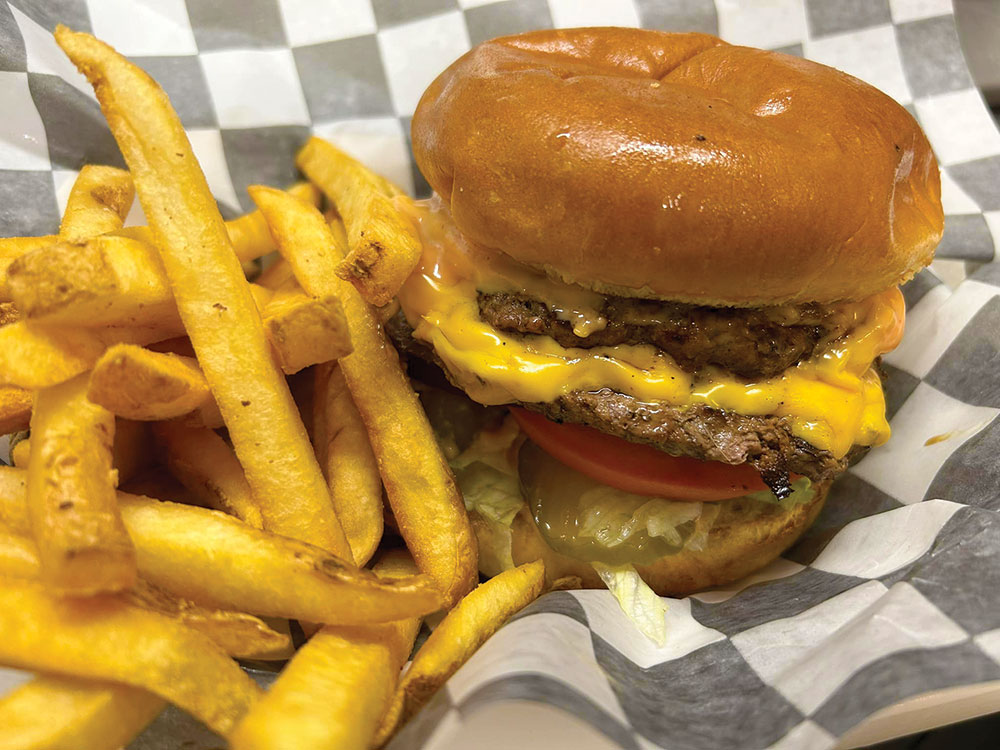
[639, 469]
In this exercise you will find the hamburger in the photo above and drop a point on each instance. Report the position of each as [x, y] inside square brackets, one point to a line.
[659, 271]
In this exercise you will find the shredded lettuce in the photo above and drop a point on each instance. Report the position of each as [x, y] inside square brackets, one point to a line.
[703, 526]
[638, 601]
[486, 473]
[611, 516]
[496, 447]
[495, 495]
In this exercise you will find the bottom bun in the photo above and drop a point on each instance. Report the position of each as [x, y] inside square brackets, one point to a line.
[740, 542]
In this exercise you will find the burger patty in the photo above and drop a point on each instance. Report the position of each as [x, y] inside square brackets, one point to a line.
[698, 431]
[752, 342]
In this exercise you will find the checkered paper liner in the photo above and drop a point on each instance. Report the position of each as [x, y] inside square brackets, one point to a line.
[892, 593]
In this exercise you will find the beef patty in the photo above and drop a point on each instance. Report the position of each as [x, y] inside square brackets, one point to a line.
[752, 342]
[765, 442]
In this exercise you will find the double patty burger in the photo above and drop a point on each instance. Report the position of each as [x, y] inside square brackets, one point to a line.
[676, 261]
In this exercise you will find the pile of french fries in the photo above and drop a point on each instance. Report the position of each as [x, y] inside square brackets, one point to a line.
[208, 456]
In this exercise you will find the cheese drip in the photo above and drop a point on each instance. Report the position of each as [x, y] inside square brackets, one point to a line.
[832, 401]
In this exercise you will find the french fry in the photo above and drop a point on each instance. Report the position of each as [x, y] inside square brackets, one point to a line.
[13, 502]
[334, 690]
[18, 556]
[384, 247]
[131, 452]
[12, 248]
[109, 280]
[216, 560]
[277, 274]
[103, 638]
[463, 630]
[97, 204]
[34, 356]
[240, 635]
[15, 403]
[349, 464]
[139, 384]
[207, 467]
[305, 330]
[248, 234]
[82, 542]
[114, 280]
[15, 409]
[9, 313]
[418, 482]
[15, 247]
[63, 713]
[212, 296]
[20, 454]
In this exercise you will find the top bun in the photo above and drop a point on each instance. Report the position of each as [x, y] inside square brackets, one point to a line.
[677, 166]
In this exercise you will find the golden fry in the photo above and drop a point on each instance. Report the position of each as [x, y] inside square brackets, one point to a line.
[15, 409]
[465, 628]
[277, 274]
[350, 466]
[213, 558]
[20, 454]
[13, 502]
[82, 542]
[103, 638]
[305, 330]
[217, 560]
[97, 204]
[63, 713]
[109, 280]
[131, 452]
[18, 556]
[116, 280]
[240, 635]
[334, 690]
[208, 468]
[135, 383]
[15, 247]
[417, 479]
[35, 357]
[384, 247]
[12, 248]
[212, 297]
[248, 234]
[9, 313]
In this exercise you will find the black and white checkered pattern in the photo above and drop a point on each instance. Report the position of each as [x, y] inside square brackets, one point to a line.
[892, 593]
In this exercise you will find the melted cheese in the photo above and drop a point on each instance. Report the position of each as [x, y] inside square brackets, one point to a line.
[832, 401]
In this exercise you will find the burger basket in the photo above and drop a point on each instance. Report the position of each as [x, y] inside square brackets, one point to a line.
[889, 606]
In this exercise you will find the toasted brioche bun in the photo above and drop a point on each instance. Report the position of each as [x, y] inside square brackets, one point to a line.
[677, 166]
[739, 543]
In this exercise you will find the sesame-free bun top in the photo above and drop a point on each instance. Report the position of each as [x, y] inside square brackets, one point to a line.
[678, 166]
